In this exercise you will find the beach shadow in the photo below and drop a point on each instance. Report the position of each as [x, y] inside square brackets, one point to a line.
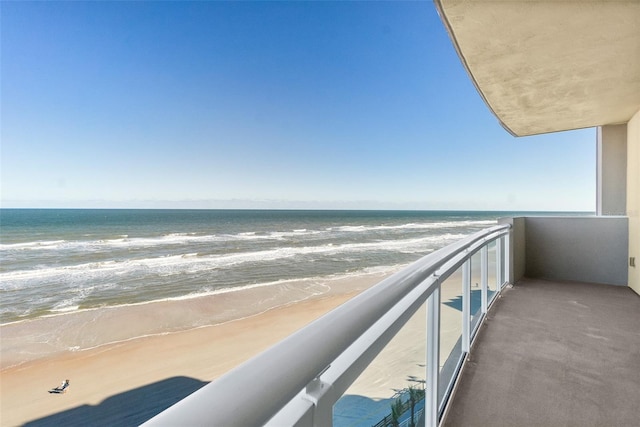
[476, 301]
[131, 408]
[359, 411]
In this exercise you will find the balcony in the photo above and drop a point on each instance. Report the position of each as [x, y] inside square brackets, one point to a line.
[558, 344]
[554, 353]
[562, 350]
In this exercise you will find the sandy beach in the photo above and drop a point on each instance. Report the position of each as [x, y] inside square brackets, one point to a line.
[147, 365]
[127, 382]
[193, 357]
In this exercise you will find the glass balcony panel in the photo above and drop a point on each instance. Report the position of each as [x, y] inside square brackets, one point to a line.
[476, 290]
[391, 385]
[450, 330]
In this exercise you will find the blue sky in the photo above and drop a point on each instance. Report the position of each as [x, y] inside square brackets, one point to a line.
[358, 105]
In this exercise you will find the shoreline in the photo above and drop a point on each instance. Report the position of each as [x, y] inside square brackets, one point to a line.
[79, 331]
[336, 277]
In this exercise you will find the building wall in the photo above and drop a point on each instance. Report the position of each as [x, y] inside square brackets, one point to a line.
[633, 198]
[612, 170]
[583, 249]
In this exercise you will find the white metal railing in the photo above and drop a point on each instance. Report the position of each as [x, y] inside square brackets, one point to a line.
[297, 381]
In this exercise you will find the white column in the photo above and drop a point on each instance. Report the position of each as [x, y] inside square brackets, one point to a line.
[611, 170]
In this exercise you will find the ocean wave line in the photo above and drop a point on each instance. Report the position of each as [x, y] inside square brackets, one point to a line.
[172, 239]
[417, 226]
[174, 264]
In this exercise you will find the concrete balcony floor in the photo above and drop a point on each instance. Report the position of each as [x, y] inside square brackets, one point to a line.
[554, 354]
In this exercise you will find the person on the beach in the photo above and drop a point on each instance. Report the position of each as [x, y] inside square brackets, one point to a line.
[62, 388]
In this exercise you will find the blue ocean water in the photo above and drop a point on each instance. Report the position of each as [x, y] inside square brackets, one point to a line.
[64, 260]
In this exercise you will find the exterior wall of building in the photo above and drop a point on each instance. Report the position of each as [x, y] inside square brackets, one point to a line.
[612, 170]
[583, 249]
[633, 198]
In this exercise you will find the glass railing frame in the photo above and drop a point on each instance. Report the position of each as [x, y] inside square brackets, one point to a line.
[440, 399]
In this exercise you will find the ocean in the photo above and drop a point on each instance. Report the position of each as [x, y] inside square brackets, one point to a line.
[56, 261]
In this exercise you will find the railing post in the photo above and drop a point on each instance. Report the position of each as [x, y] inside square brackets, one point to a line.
[507, 258]
[433, 358]
[466, 305]
[484, 277]
[317, 392]
[499, 255]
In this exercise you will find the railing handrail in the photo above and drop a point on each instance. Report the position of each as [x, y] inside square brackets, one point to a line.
[290, 365]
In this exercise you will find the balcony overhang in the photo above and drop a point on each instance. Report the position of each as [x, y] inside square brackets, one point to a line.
[548, 66]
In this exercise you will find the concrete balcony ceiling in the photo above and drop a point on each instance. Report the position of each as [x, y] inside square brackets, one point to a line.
[547, 66]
